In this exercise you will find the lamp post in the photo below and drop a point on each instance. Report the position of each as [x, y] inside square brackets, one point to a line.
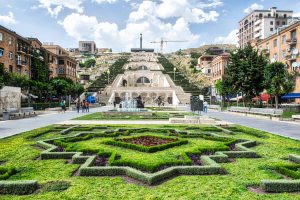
[174, 72]
[108, 72]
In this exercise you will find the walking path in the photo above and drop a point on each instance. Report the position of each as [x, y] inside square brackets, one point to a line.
[286, 129]
[13, 127]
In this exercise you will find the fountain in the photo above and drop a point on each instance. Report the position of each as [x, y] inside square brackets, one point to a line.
[129, 105]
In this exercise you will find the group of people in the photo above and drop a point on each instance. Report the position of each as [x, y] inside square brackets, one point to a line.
[84, 105]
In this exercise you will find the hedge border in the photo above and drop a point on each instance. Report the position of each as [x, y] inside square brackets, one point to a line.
[141, 148]
[282, 185]
[7, 172]
[210, 162]
[23, 187]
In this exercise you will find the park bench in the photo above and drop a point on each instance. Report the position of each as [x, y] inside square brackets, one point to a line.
[214, 107]
[257, 111]
[28, 112]
[296, 117]
[14, 113]
[238, 109]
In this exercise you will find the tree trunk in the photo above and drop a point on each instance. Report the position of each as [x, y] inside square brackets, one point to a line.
[276, 101]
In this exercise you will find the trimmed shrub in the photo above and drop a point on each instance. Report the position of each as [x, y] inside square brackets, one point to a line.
[18, 187]
[6, 172]
[55, 186]
[280, 185]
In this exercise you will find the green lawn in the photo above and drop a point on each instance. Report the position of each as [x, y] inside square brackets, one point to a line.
[155, 116]
[22, 153]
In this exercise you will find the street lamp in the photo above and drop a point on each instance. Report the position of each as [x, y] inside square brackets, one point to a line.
[108, 72]
[174, 72]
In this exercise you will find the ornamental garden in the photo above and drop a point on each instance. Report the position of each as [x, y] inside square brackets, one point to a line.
[149, 162]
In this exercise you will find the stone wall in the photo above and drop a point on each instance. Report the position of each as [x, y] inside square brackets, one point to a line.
[10, 97]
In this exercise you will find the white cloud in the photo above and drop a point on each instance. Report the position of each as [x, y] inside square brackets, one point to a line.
[149, 18]
[296, 14]
[254, 6]
[105, 1]
[8, 19]
[231, 38]
[54, 7]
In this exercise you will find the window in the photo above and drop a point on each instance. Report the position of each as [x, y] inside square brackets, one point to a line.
[10, 40]
[19, 70]
[278, 23]
[271, 29]
[283, 23]
[275, 43]
[1, 36]
[61, 70]
[1, 52]
[260, 15]
[283, 39]
[269, 15]
[271, 22]
[284, 15]
[11, 69]
[293, 35]
[143, 80]
[10, 55]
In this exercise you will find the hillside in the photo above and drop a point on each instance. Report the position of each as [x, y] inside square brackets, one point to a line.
[203, 48]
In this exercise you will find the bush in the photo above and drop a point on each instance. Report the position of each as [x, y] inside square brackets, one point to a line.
[55, 186]
[6, 172]
[280, 185]
[18, 187]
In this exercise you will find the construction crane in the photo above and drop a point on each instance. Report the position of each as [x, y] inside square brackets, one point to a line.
[162, 42]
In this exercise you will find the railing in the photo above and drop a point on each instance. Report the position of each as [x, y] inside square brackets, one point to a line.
[21, 62]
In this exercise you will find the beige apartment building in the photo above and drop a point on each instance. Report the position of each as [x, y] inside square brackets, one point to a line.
[284, 47]
[60, 62]
[218, 66]
[260, 24]
[15, 52]
[204, 64]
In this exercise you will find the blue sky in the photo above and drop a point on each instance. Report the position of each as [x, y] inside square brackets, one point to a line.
[117, 23]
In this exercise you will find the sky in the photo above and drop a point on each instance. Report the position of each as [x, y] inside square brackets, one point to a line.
[117, 24]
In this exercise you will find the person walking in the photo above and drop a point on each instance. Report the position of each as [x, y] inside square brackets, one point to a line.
[87, 106]
[205, 106]
[83, 106]
[61, 104]
[78, 105]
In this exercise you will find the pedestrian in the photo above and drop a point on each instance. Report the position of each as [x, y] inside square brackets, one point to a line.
[78, 105]
[61, 104]
[64, 105]
[115, 104]
[205, 106]
[83, 106]
[87, 106]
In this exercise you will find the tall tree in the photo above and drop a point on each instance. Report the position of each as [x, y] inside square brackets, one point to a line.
[278, 80]
[245, 72]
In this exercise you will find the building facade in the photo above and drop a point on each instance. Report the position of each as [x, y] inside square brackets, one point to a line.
[204, 64]
[218, 66]
[260, 24]
[88, 47]
[284, 47]
[15, 52]
[60, 62]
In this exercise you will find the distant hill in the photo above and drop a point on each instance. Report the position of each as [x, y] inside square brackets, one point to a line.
[203, 48]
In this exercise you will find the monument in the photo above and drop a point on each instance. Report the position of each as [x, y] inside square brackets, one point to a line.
[144, 81]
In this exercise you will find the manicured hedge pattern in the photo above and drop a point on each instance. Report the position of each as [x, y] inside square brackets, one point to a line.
[18, 187]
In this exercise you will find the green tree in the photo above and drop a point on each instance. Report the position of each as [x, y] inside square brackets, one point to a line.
[39, 65]
[60, 86]
[195, 54]
[278, 80]
[245, 72]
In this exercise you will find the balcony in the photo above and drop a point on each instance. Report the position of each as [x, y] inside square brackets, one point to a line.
[291, 57]
[292, 41]
[22, 62]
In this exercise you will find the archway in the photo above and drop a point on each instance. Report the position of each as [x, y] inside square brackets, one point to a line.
[143, 80]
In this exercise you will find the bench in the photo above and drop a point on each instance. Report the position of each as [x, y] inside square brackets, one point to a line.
[214, 107]
[15, 113]
[257, 111]
[296, 117]
[28, 111]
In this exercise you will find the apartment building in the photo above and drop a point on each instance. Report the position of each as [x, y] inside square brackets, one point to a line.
[204, 64]
[260, 24]
[15, 52]
[284, 47]
[218, 66]
[87, 47]
[60, 62]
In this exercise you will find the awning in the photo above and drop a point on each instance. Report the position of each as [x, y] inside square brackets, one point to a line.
[291, 96]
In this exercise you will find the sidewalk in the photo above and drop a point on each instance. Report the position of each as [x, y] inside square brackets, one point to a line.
[13, 127]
